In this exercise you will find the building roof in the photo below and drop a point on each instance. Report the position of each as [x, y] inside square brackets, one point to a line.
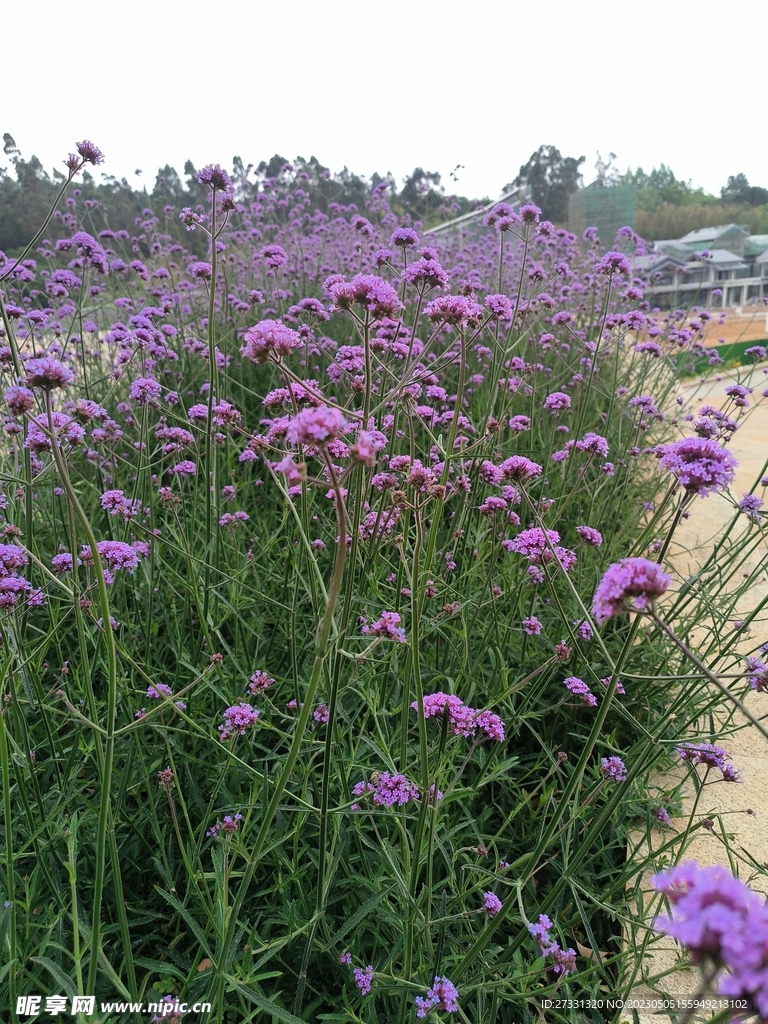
[656, 260]
[515, 198]
[763, 257]
[720, 257]
[755, 245]
[700, 236]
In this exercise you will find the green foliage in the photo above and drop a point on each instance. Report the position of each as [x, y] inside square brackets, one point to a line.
[551, 178]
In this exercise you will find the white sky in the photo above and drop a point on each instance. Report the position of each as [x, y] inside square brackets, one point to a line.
[391, 85]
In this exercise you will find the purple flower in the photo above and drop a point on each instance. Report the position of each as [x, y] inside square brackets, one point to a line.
[274, 256]
[321, 713]
[385, 626]
[557, 401]
[565, 959]
[214, 176]
[441, 996]
[259, 682]
[363, 978]
[48, 373]
[613, 263]
[269, 337]
[201, 270]
[613, 768]
[594, 444]
[518, 467]
[228, 826]
[463, 720]
[519, 423]
[19, 400]
[145, 391]
[63, 563]
[590, 535]
[156, 691]
[373, 293]
[404, 237]
[491, 903]
[662, 814]
[712, 757]
[388, 789]
[90, 153]
[237, 720]
[532, 626]
[454, 309]
[750, 505]
[116, 553]
[631, 584]
[425, 274]
[700, 465]
[184, 468]
[541, 547]
[316, 425]
[580, 689]
[712, 915]
[499, 307]
[345, 958]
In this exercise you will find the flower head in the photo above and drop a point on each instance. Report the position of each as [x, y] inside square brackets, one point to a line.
[491, 903]
[613, 768]
[216, 177]
[632, 584]
[48, 373]
[441, 996]
[373, 293]
[701, 465]
[269, 338]
[237, 720]
[89, 152]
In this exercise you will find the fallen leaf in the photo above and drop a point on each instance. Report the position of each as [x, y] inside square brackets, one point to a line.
[590, 954]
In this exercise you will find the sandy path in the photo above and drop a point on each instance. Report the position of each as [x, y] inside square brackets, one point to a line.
[747, 747]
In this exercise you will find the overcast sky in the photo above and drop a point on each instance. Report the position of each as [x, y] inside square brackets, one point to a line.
[391, 85]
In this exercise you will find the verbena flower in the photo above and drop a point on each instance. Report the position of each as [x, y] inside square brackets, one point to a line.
[442, 995]
[491, 903]
[613, 768]
[385, 626]
[238, 719]
[216, 177]
[48, 373]
[269, 338]
[316, 425]
[712, 757]
[701, 465]
[373, 293]
[632, 584]
[363, 978]
[580, 689]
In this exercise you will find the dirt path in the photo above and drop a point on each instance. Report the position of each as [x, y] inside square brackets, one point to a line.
[744, 807]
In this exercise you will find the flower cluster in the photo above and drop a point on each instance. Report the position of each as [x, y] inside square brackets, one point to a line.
[463, 720]
[632, 584]
[565, 959]
[442, 995]
[722, 923]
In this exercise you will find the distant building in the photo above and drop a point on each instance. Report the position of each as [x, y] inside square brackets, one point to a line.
[471, 224]
[605, 207]
[711, 267]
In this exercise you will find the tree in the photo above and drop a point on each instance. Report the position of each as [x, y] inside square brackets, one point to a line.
[422, 192]
[738, 190]
[606, 172]
[551, 177]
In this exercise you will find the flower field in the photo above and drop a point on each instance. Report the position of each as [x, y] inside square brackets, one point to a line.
[339, 634]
